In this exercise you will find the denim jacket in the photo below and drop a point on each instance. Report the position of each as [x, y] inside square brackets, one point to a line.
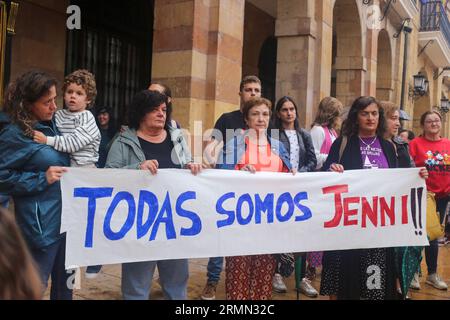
[235, 150]
[23, 166]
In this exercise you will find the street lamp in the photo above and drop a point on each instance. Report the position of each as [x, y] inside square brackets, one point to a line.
[445, 105]
[420, 86]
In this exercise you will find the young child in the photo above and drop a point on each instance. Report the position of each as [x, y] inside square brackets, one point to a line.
[80, 134]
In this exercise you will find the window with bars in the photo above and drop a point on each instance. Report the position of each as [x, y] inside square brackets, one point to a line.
[115, 44]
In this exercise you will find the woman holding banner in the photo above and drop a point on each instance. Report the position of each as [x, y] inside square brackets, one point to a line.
[299, 145]
[30, 173]
[346, 273]
[250, 277]
[433, 151]
[408, 258]
[147, 145]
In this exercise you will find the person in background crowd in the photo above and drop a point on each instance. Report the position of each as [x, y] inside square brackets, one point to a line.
[30, 172]
[408, 258]
[433, 152]
[108, 130]
[250, 277]
[406, 135]
[325, 128]
[299, 145]
[231, 122]
[147, 145]
[324, 132]
[361, 146]
[19, 278]
[392, 116]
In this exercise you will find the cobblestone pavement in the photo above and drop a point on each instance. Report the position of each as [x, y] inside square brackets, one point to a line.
[107, 285]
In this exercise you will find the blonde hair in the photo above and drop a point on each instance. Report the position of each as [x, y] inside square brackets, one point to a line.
[389, 108]
[328, 113]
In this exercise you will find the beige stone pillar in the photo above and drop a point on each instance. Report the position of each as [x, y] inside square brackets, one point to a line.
[324, 50]
[40, 39]
[372, 59]
[351, 63]
[197, 51]
[296, 33]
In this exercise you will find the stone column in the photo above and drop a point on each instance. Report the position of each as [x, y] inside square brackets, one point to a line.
[324, 50]
[197, 51]
[351, 63]
[296, 32]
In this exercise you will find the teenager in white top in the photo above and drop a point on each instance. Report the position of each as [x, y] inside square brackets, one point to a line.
[80, 134]
[323, 132]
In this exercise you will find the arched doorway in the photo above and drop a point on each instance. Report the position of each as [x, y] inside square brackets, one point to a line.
[115, 43]
[347, 69]
[268, 67]
[259, 54]
[384, 67]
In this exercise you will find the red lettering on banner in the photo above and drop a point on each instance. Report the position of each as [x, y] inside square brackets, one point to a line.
[405, 210]
[387, 211]
[337, 190]
[350, 212]
[369, 212]
[377, 210]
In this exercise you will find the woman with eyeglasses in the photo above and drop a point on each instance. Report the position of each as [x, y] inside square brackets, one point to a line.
[433, 151]
[408, 258]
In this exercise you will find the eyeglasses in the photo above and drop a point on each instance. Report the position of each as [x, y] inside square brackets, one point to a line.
[432, 121]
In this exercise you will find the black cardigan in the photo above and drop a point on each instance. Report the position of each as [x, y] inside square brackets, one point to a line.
[307, 157]
[351, 157]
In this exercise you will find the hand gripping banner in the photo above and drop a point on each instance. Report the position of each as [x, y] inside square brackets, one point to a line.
[116, 216]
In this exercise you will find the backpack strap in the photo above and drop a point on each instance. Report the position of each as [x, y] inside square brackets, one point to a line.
[342, 148]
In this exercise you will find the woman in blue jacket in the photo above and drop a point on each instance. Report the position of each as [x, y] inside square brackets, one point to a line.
[30, 173]
[250, 277]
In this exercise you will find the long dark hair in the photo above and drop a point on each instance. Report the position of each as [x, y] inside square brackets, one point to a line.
[19, 279]
[276, 121]
[145, 102]
[22, 93]
[350, 126]
[112, 129]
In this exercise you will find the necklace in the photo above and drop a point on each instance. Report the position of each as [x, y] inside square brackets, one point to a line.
[157, 138]
[368, 144]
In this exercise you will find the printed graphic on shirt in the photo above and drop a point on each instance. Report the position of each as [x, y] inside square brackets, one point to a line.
[437, 161]
[372, 154]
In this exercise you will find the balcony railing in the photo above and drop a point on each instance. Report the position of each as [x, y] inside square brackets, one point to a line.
[434, 18]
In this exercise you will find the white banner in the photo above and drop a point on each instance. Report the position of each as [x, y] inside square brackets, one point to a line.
[116, 216]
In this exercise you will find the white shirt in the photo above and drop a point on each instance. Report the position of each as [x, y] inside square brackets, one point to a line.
[318, 138]
[295, 148]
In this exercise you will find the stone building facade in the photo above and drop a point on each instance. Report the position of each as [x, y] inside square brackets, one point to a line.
[306, 49]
